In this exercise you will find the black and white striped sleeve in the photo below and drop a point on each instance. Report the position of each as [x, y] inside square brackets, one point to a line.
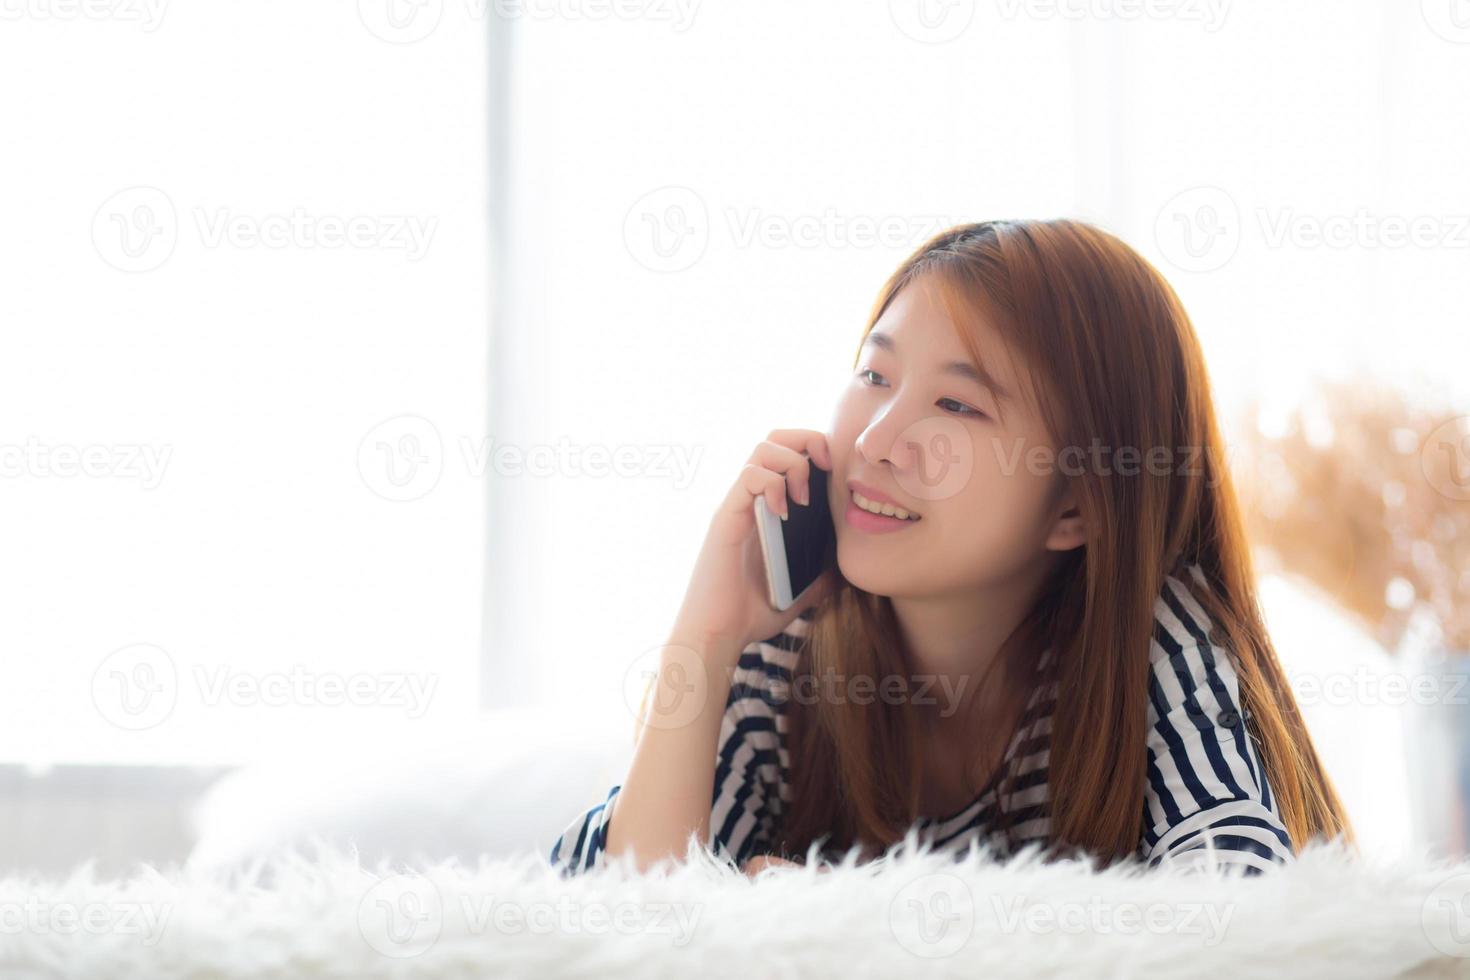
[1207, 797]
[582, 846]
[750, 762]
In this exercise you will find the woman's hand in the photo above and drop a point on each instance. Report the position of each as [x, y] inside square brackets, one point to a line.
[725, 605]
[666, 794]
[761, 862]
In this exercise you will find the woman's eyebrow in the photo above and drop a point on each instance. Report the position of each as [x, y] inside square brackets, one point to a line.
[962, 369]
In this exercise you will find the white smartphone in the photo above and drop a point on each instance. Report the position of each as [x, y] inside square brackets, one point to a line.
[799, 548]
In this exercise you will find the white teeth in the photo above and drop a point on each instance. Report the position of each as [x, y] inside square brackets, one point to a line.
[886, 509]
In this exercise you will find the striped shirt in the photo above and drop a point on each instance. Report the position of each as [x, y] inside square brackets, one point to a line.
[1205, 788]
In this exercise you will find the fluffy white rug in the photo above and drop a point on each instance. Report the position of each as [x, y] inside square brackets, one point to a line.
[916, 913]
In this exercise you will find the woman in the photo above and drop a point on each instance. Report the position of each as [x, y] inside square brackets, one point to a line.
[1048, 634]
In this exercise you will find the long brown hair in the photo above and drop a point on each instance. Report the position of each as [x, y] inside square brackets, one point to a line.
[1112, 356]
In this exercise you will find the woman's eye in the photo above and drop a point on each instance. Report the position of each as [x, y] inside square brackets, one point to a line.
[949, 404]
[961, 408]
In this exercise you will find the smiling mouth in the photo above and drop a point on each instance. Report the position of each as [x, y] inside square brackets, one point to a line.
[885, 510]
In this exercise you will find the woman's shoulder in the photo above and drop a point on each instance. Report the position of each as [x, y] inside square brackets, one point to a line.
[1189, 658]
[1181, 621]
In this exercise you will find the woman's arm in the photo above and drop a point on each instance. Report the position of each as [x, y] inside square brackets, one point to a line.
[666, 796]
[737, 784]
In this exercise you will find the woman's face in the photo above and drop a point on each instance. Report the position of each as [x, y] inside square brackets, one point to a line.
[956, 444]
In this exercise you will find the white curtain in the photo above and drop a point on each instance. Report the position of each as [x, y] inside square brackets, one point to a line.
[704, 206]
[242, 346]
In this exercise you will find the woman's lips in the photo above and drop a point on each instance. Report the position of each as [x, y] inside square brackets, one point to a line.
[873, 495]
[866, 520]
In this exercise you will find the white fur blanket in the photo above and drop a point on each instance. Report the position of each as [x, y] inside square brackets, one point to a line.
[916, 913]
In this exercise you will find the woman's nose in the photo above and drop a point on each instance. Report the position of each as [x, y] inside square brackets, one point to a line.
[881, 441]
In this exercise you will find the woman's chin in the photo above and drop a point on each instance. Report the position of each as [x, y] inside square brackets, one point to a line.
[872, 576]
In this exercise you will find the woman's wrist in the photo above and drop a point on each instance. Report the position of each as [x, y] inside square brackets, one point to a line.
[715, 651]
[695, 673]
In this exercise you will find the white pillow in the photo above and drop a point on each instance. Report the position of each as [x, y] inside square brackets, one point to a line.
[506, 782]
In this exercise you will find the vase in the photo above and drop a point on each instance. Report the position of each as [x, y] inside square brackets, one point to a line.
[1439, 751]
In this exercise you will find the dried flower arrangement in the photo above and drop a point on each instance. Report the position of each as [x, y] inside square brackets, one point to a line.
[1366, 493]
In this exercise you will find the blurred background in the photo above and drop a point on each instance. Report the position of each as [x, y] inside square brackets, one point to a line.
[369, 370]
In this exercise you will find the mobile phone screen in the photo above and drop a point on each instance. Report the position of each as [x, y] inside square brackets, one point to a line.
[809, 535]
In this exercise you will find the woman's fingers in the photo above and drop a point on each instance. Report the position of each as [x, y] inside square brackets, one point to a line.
[758, 481]
[791, 452]
[761, 862]
[776, 467]
[814, 442]
[790, 464]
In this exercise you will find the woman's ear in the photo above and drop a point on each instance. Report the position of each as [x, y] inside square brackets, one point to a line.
[1068, 530]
